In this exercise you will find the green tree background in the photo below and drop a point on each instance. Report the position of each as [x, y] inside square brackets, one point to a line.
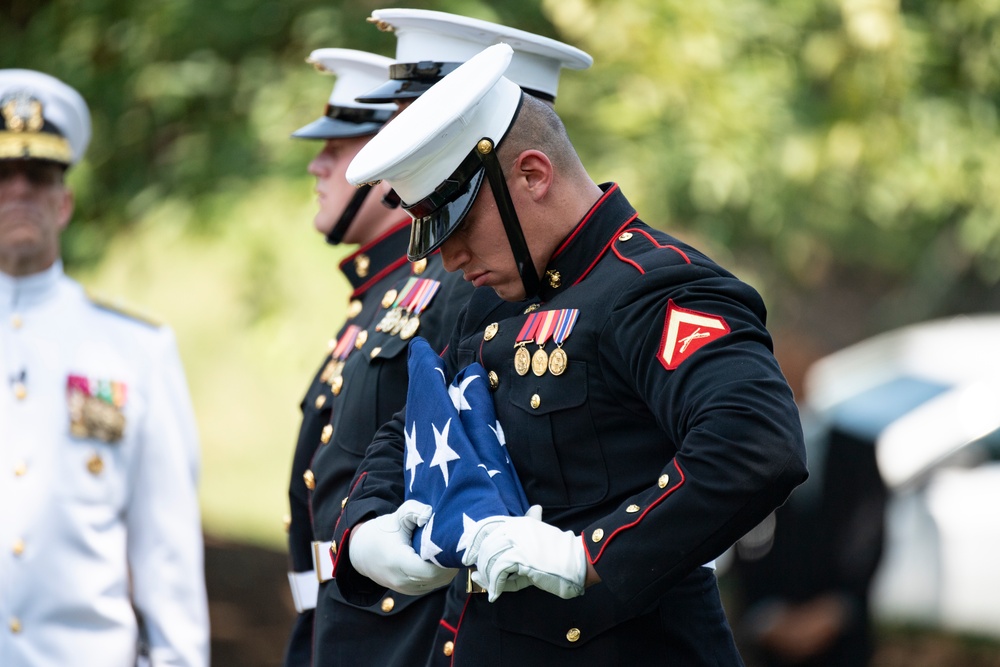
[841, 155]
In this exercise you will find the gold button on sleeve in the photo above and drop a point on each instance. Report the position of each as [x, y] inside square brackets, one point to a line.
[310, 479]
[326, 434]
[663, 481]
[388, 604]
[625, 236]
[573, 634]
[597, 535]
[536, 400]
[632, 509]
[449, 648]
[343, 503]
[333, 548]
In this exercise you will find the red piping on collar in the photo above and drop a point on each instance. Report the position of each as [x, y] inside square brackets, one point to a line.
[371, 244]
[365, 286]
[607, 245]
[583, 222]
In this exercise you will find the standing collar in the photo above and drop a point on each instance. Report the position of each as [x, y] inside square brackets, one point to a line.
[587, 243]
[24, 291]
[371, 262]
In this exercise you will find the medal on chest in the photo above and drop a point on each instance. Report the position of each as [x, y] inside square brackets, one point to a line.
[539, 328]
[96, 408]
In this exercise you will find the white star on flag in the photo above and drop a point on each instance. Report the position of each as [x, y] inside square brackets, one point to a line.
[457, 394]
[468, 531]
[442, 452]
[413, 458]
[429, 550]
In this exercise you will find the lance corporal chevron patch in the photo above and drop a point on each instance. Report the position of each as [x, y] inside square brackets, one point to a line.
[685, 332]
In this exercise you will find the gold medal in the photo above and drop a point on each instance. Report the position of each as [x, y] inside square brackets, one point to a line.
[557, 361]
[400, 323]
[522, 361]
[362, 338]
[390, 319]
[410, 328]
[389, 298]
[328, 371]
[539, 362]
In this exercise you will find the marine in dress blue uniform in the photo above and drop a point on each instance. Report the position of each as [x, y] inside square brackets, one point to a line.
[369, 385]
[99, 517]
[654, 430]
[359, 382]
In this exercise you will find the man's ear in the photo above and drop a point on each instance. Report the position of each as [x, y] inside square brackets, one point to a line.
[66, 207]
[534, 170]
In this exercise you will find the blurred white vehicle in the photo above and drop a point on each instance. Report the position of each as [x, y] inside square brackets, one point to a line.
[928, 397]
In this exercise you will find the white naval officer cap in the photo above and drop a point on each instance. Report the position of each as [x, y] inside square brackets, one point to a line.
[41, 118]
[356, 72]
[431, 152]
[430, 44]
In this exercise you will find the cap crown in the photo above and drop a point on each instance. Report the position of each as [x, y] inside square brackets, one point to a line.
[41, 118]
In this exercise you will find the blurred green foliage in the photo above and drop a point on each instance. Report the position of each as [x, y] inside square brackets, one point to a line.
[813, 133]
[802, 142]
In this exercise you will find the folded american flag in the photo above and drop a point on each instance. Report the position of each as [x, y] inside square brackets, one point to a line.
[456, 457]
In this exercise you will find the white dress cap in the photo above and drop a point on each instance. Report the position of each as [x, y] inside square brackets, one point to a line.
[425, 35]
[41, 118]
[356, 72]
[421, 147]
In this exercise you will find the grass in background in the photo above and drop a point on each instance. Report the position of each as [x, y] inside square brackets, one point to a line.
[252, 303]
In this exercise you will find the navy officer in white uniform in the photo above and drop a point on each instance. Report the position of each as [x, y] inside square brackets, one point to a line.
[99, 518]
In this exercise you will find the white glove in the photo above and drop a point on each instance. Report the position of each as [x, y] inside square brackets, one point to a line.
[535, 553]
[477, 532]
[381, 550]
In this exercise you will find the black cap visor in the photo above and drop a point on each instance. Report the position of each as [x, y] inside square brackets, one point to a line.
[438, 215]
[344, 123]
[408, 81]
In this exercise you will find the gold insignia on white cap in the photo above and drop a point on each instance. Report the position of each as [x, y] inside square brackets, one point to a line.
[41, 118]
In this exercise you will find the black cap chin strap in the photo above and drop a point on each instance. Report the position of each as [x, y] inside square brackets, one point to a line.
[515, 236]
[336, 234]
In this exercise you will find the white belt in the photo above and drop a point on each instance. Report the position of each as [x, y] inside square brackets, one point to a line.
[322, 561]
[305, 590]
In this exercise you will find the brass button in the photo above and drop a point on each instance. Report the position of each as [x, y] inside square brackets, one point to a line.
[597, 535]
[333, 548]
[625, 236]
[286, 521]
[343, 503]
[310, 479]
[16, 321]
[555, 279]
[491, 331]
[536, 400]
[360, 341]
[419, 266]
[632, 509]
[355, 308]
[389, 297]
[494, 379]
[449, 648]
[20, 391]
[361, 264]
[375, 352]
[95, 464]
[573, 634]
[326, 434]
[532, 307]
[336, 384]
[663, 481]
[18, 547]
[388, 604]
[320, 401]
[21, 469]
[15, 625]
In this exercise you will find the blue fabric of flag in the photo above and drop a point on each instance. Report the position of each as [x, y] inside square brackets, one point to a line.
[456, 456]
